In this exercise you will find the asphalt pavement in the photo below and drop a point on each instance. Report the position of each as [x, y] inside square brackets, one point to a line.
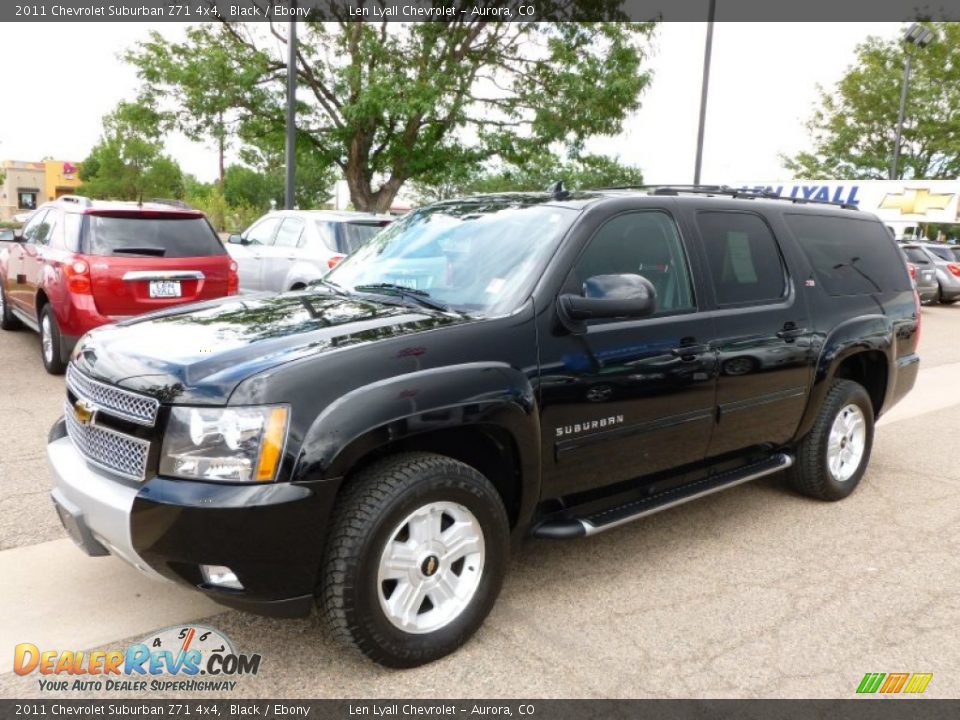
[754, 592]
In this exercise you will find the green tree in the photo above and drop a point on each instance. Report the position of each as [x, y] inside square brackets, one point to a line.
[127, 163]
[390, 102]
[853, 129]
[539, 173]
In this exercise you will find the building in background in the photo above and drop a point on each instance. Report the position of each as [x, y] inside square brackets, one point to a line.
[28, 185]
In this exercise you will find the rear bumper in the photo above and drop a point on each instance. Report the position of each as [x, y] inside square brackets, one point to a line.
[271, 536]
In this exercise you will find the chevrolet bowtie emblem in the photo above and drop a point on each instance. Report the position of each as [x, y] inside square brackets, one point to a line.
[916, 201]
[84, 412]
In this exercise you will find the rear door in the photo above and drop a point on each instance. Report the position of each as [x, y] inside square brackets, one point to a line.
[277, 259]
[146, 261]
[763, 331]
[35, 250]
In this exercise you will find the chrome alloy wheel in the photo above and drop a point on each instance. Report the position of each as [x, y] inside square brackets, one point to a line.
[847, 443]
[431, 567]
[46, 339]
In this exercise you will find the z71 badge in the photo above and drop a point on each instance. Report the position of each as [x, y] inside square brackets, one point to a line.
[589, 425]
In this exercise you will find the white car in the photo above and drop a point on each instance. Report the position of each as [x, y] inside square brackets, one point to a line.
[287, 249]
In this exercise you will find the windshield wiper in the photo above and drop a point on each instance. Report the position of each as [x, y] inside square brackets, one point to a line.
[153, 251]
[421, 297]
[333, 286]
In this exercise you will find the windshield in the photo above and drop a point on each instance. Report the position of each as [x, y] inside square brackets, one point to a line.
[479, 257]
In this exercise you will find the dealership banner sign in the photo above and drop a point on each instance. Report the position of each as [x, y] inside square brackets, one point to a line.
[896, 202]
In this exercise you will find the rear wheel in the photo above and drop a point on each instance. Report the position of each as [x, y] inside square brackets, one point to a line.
[7, 320]
[937, 296]
[832, 458]
[50, 342]
[415, 559]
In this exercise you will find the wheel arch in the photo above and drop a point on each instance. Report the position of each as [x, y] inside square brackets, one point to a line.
[861, 349]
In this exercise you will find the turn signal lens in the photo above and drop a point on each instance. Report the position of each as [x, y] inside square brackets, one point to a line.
[272, 447]
[78, 277]
[332, 262]
[954, 268]
[913, 271]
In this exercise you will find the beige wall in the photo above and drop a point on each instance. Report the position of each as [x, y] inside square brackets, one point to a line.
[20, 175]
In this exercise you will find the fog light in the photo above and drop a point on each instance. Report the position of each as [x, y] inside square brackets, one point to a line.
[221, 576]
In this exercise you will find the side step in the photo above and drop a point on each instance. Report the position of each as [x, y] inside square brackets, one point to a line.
[565, 528]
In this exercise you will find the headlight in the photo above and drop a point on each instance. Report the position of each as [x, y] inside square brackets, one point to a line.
[243, 444]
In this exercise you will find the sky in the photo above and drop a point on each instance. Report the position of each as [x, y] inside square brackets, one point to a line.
[762, 91]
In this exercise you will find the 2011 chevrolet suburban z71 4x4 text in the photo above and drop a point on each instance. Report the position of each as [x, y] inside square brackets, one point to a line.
[484, 370]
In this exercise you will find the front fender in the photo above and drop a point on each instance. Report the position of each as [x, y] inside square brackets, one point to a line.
[467, 395]
[860, 334]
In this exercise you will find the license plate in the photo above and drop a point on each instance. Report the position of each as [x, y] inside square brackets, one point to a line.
[165, 288]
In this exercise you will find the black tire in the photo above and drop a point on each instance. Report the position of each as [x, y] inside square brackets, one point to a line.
[371, 507]
[7, 320]
[938, 297]
[951, 301]
[52, 360]
[811, 474]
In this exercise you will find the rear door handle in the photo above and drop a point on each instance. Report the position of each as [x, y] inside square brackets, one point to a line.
[791, 333]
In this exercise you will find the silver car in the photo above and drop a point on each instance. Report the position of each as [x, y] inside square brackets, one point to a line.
[924, 274]
[944, 261]
[287, 249]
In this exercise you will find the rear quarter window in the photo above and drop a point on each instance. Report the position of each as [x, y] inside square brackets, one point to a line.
[850, 256]
[150, 236]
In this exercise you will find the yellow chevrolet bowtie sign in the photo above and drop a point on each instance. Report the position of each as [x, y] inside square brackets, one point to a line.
[916, 201]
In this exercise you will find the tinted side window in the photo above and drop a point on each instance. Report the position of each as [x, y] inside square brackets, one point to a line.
[942, 252]
[642, 243]
[743, 257]
[328, 233]
[262, 232]
[354, 235]
[289, 233]
[851, 256]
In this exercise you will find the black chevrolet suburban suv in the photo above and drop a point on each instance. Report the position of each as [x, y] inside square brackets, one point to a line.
[484, 370]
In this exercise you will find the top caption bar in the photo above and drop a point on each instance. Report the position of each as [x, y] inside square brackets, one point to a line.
[464, 11]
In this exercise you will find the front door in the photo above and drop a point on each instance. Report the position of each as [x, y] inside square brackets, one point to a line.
[22, 256]
[628, 398]
[248, 256]
[763, 332]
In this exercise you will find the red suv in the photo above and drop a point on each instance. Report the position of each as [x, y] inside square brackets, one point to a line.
[80, 263]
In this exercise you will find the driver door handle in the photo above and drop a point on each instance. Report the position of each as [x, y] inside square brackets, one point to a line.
[690, 350]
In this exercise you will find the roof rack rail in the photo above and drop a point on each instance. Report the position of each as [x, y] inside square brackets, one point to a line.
[744, 192]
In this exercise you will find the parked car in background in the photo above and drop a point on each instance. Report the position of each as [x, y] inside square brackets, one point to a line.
[80, 263]
[288, 249]
[924, 276]
[942, 260]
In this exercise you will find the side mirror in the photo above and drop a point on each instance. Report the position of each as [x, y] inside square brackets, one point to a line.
[606, 297]
[236, 240]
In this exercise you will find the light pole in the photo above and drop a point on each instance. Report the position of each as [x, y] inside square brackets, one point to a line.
[291, 148]
[916, 36]
[703, 90]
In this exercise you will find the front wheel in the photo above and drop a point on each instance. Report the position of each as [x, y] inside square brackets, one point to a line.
[832, 458]
[415, 559]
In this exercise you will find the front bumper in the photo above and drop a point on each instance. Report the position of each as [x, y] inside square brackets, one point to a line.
[270, 535]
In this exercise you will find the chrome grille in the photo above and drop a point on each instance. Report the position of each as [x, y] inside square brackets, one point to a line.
[124, 404]
[108, 449]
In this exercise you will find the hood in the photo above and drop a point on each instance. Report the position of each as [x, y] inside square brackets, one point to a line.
[199, 354]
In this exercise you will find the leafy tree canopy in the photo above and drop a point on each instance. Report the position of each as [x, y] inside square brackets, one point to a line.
[389, 102]
[853, 130]
[128, 163]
